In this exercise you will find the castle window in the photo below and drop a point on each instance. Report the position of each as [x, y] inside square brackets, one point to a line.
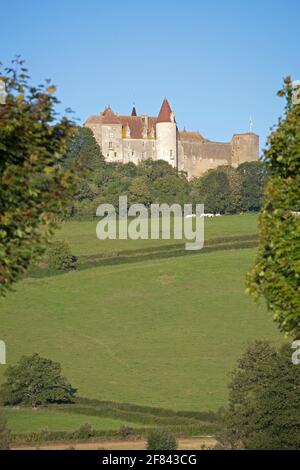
[110, 145]
[171, 155]
[115, 154]
[132, 153]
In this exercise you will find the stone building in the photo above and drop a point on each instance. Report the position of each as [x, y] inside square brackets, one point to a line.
[135, 138]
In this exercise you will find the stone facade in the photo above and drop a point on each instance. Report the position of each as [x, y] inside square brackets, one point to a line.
[135, 138]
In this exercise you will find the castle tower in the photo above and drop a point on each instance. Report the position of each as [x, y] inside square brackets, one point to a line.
[166, 135]
[244, 148]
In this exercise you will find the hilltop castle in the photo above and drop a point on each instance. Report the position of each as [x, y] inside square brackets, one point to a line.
[135, 138]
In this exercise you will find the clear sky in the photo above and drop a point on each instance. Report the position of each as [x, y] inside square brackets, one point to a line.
[217, 61]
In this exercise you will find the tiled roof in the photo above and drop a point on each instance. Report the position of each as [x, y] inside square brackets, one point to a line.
[191, 136]
[165, 112]
[137, 124]
[94, 120]
[109, 117]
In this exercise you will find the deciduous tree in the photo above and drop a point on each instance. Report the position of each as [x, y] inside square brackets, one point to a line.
[276, 274]
[35, 187]
[34, 381]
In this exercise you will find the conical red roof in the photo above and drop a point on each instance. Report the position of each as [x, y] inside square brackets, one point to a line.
[165, 112]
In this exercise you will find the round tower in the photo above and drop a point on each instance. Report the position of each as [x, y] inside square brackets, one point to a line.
[166, 135]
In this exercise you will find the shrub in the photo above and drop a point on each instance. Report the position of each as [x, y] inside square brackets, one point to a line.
[60, 257]
[125, 432]
[161, 439]
[84, 432]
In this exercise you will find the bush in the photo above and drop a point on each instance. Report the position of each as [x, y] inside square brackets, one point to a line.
[125, 432]
[60, 257]
[84, 432]
[161, 439]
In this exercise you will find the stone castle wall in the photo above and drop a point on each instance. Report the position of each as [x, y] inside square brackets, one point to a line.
[197, 155]
[125, 139]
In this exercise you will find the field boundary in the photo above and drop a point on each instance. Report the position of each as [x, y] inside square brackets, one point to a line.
[159, 252]
[181, 423]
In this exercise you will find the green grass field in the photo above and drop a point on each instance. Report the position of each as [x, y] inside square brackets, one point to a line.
[21, 421]
[158, 332]
[81, 236]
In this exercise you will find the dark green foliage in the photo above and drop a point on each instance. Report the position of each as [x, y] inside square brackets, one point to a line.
[161, 439]
[254, 177]
[84, 432]
[139, 191]
[276, 274]
[60, 256]
[34, 381]
[125, 432]
[35, 187]
[219, 190]
[154, 169]
[224, 189]
[264, 401]
[5, 436]
[83, 151]
[171, 189]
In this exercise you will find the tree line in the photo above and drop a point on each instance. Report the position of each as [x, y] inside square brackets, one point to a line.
[224, 190]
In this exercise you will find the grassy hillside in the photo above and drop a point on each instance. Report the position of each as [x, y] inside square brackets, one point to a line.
[82, 235]
[160, 332]
[22, 420]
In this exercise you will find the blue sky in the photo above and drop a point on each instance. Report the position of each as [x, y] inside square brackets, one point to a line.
[217, 61]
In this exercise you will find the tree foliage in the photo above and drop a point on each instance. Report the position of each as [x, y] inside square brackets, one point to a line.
[219, 190]
[34, 381]
[254, 177]
[264, 401]
[35, 187]
[276, 274]
[60, 256]
[161, 439]
[83, 151]
[225, 189]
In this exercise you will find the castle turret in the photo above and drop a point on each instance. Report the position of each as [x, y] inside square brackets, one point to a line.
[133, 112]
[166, 135]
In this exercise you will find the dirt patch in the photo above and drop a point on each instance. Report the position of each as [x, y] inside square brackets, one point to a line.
[165, 280]
[193, 443]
